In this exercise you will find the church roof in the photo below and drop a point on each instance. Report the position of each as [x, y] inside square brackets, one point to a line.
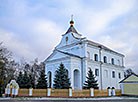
[70, 54]
[76, 35]
[101, 46]
[128, 77]
[66, 53]
[71, 29]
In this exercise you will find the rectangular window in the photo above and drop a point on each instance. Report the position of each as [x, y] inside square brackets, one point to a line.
[97, 72]
[113, 74]
[119, 75]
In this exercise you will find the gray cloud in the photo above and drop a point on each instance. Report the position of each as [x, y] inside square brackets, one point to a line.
[32, 29]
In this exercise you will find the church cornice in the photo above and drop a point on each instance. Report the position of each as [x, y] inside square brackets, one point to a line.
[100, 46]
[103, 64]
[111, 65]
[70, 54]
[70, 45]
[57, 60]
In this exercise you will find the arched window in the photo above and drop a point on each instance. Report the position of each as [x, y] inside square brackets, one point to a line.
[95, 57]
[113, 74]
[105, 59]
[112, 61]
[49, 79]
[119, 75]
[67, 40]
[97, 72]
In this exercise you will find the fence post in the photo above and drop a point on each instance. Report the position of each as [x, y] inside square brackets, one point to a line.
[6, 92]
[70, 91]
[92, 91]
[109, 91]
[13, 91]
[16, 92]
[30, 91]
[9, 91]
[113, 91]
[49, 92]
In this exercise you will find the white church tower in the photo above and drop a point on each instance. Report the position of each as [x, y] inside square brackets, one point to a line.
[78, 54]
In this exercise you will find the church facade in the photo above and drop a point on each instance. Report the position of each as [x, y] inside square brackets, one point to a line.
[78, 54]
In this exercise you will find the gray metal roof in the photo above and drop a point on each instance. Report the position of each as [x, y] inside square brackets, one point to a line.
[71, 29]
[70, 54]
[128, 77]
[102, 47]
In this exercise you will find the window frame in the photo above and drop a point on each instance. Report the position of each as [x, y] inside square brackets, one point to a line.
[112, 61]
[95, 57]
[113, 74]
[96, 72]
[119, 75]
[105, 59]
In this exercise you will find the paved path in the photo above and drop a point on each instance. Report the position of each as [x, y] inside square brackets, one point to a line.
[74, 101]
[107, 99]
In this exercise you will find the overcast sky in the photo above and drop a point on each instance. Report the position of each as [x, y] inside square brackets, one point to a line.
[32, 28]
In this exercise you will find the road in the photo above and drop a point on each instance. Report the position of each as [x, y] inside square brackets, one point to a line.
[109, 99]
[70, 101]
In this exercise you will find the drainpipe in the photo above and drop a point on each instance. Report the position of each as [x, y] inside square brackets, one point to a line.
[100, 66]
[122, 62]
[82, 72]
[81, 57]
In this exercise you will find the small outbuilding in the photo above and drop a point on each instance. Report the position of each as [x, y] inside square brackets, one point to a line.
[129, 85]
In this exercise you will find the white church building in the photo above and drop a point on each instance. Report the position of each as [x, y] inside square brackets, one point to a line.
[78, 54]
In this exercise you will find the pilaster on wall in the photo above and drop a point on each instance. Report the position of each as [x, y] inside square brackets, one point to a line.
[122, 89]
[85, 70]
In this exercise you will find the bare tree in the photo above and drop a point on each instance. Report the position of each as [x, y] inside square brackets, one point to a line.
[7, 67]
[33, 69]
[128, 72]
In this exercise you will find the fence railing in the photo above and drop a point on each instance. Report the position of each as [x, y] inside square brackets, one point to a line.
[59, 92]
[118, 92]
[23, 92]
[98, 92]
[39, 92]
[85, 92]
[62, 92]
